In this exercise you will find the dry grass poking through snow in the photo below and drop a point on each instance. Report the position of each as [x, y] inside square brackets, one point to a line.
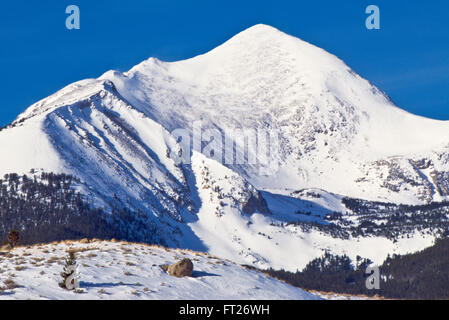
[124, 270]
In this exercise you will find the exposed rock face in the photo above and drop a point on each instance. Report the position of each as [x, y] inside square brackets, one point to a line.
[183, 268]
[255, 203]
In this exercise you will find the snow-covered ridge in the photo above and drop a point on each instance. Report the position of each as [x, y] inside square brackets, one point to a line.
[120, 270]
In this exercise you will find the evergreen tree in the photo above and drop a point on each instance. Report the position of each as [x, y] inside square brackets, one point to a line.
[69, 274]
[13, 238]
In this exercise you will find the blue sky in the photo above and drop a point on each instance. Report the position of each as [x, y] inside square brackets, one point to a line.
[408, 58]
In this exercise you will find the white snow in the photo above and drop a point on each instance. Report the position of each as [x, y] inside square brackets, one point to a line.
[119, 270]
[334, 123]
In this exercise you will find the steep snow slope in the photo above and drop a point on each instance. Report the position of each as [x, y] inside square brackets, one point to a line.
[119, 270]
[337, 131]
[87, 130]
[122, 158]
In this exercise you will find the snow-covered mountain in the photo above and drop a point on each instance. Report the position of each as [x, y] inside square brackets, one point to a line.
[335, 131]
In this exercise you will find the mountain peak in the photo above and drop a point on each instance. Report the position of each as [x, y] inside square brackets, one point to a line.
[255, 51]
[261, 28]
[261, 35]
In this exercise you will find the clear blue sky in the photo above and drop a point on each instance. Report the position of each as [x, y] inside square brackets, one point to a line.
[408, 58]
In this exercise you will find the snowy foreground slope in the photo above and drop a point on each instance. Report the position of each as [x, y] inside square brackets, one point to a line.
[120, 270]
[339, 137]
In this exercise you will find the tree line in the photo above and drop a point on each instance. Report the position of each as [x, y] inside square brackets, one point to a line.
[421, 275]
[46, 208]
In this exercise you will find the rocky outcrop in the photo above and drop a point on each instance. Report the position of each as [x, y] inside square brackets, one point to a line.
[255, 203]
[183, 268]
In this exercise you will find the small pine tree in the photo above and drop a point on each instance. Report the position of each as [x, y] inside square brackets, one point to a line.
[13, 238]
[69, 274]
